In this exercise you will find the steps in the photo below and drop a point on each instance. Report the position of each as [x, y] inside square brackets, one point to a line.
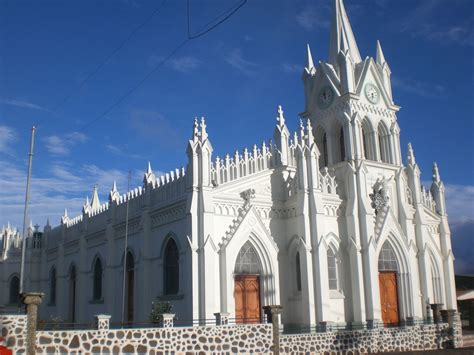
[468, 340]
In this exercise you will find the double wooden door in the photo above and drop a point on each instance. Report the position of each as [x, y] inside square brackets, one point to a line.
[389, 297]
[247, 298]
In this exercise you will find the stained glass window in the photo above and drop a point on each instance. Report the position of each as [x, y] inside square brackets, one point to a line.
[247, 260]
[387, 258]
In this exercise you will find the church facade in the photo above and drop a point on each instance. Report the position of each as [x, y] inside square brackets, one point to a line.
[329, 222]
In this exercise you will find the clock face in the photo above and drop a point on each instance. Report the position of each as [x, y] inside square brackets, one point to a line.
[372, 93]
[325, 97]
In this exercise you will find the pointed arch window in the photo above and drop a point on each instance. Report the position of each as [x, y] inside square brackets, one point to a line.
[342, 145]
[325, 150]
[52, 286]
[72, 293]
[247, 262]
[298, 271]
[171, 268]
[97, 280]
[332, 270]
[14, 290]
[384, 143]
[387, 258]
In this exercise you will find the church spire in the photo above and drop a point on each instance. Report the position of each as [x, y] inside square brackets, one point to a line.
[342, 37]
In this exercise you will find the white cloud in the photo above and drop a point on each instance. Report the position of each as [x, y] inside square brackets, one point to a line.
[423, 22]
[460, 203]
[417, 87]
[7, 138]
[65, 187]
[114, 149]
[61, 144]
[154, 126]
[236, 60]
[22, 104]
[292, 68]
[314, 17]
[181, 64]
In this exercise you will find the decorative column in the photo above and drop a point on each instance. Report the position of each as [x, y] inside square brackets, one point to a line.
[168, 320]
[102, 322]
[273, 316]
[32, 300]
[222, 318]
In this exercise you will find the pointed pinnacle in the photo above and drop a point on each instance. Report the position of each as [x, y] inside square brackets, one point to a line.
[280, 118]
[309, 63]
[149, 171]
[380, 58]
[411, 155]
[114, 186]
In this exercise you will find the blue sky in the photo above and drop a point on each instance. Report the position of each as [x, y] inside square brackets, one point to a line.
[235, 76]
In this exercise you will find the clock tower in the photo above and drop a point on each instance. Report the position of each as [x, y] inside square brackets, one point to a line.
[349, 100]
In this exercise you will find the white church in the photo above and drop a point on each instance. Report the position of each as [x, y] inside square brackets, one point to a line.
[330, 222]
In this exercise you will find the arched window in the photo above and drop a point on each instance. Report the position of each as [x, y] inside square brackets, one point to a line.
[72, 293]
[384, 143]
[298, 272]
[97, 281]
[52, 286]
[342, 146]
[436, 282]
[325, 150]
[171, 268]
[247, 262]
[387, 258]
[14, 290]
[130, 280]
[332, 270]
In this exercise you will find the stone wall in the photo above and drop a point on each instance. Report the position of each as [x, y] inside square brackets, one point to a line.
[418, 337]
[229, 339]
[13, 330]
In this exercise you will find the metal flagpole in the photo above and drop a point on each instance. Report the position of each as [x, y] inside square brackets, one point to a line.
[25, 213]
[125, 251]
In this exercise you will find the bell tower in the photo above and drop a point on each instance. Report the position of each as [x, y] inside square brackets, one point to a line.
[349, 100]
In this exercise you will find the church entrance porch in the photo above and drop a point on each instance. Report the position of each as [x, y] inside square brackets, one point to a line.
[389, 297]
[247, 299]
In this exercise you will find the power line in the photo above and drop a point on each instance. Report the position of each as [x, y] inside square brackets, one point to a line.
[107, 59]
[211, 25]
[218, 20]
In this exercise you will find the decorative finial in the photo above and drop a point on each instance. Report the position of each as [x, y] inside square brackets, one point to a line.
[411, 155]
[196, 128]
[280, 118]
[148, 170]
[203, 129]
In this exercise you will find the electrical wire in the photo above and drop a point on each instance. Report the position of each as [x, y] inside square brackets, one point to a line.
[107, 59]
[211, 25]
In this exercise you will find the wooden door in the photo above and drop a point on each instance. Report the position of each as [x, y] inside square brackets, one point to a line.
[389, 297]
[247, 299]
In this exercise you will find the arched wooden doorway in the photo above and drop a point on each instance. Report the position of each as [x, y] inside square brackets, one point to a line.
[72, 293]
[130, 278]
[388, 284]
[247, 274]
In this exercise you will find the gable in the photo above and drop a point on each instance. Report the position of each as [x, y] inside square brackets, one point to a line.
[370, 75]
